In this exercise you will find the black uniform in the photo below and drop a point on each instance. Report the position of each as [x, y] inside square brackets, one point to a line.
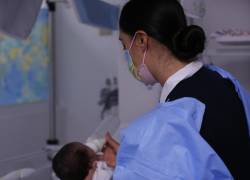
[224, 125]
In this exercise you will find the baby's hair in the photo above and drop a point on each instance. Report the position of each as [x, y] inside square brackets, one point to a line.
[72, 162]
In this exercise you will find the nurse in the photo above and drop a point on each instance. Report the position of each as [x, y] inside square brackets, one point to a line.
[200, 129]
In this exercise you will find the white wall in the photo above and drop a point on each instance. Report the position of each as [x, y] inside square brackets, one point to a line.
[224, 14]
[84, 60]
[23, 129]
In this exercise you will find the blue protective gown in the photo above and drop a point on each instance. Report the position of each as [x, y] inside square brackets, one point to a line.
[243, 94]
[165, 144]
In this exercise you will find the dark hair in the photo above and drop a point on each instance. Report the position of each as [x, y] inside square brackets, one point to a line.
[72, 162]
[165, 21]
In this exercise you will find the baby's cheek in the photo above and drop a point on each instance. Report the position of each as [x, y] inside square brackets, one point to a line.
[91, 174]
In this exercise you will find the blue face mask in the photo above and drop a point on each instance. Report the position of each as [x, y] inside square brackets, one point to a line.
[131, 65]
[142, 74]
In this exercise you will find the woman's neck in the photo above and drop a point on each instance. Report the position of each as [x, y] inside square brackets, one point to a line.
[163, 64]
[168, 66]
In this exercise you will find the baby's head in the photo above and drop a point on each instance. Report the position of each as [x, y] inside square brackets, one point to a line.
[74, 161]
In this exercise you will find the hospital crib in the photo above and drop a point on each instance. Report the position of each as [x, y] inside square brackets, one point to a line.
[35, 166]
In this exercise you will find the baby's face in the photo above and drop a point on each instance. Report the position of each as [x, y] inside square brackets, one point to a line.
[92, 154]
[91, 173]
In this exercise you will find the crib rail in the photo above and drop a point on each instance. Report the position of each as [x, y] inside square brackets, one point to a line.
[36, 160]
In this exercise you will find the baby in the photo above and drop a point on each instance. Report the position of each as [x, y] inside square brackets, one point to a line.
[76, 161]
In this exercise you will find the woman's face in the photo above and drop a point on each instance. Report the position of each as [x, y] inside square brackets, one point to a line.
[138, 47]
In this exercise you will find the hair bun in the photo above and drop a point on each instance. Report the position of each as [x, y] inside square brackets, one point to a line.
[189, 42]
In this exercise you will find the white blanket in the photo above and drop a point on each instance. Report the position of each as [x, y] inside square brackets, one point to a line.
[103, 172]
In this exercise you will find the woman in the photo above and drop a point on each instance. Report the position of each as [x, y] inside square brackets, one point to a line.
[161, 47]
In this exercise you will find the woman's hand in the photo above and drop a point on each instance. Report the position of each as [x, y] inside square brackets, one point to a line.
[109, 156]
[112, 143]
[110, 150]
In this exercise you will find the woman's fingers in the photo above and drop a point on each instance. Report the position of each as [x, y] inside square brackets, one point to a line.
[110, 157]
[112, 142]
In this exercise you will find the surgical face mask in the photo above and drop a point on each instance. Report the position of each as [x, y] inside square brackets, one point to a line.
[142, 73]
[133, 70]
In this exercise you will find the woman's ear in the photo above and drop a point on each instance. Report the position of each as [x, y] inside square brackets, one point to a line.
[141, 40]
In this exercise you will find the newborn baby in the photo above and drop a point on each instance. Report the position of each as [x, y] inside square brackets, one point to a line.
[76, 161]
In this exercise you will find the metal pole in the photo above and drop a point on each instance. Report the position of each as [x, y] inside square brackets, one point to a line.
[52, 76]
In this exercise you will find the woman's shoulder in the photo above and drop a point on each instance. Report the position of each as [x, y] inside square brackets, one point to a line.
[181, 111]
[203, 85]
